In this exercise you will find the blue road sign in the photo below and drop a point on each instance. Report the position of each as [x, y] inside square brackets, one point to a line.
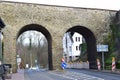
[102, 48]
[63, 65]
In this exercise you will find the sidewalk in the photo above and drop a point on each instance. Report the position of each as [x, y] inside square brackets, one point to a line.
[109, 71]
[115, 72]
[18, 76]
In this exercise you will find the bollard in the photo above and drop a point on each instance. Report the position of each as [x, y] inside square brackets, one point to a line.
[11, 70]
[98, 64]
[113, 64]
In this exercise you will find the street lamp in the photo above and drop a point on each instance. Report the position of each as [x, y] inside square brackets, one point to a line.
[30, 47]
[2, 25]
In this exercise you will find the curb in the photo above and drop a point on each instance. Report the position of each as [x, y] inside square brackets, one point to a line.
[107, 71]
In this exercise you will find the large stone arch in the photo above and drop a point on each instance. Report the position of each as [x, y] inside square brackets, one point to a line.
[91, 43]
[46, 33]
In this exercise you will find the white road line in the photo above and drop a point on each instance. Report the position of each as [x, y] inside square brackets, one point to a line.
[85, 76]
[76, 76]
[63, 76]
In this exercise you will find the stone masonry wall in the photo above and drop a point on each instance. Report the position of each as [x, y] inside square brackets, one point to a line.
[57, 20]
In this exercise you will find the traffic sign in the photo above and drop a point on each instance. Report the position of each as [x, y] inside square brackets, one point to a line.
[18, 60]
[62, 60]
[102, 48]
[63, 65]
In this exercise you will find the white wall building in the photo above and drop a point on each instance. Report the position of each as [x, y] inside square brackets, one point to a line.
[71, 46]
[67, 46]
[77, 40]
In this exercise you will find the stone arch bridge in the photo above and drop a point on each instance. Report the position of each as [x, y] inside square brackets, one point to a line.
[53, 22]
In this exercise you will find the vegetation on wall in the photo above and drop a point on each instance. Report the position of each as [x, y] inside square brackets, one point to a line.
[113, 40]
[83, 55]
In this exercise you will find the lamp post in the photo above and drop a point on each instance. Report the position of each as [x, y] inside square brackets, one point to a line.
[30, 47]
[2, 25]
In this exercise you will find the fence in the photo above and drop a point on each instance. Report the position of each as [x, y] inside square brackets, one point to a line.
[78, 65]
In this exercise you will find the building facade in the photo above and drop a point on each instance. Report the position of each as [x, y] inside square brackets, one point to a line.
[71, 46]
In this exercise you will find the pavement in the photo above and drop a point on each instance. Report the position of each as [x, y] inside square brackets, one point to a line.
[17, 76]
[110, 71]
[20, 74]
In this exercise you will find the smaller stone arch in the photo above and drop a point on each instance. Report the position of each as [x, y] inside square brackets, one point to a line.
[46, 33]
[91, 43]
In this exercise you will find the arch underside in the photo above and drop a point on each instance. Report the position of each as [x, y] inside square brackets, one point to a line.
[91, 43]
[45, 32]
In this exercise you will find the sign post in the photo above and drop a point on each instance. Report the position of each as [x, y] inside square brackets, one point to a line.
[63, 64]
[102, 48]
[103, 60]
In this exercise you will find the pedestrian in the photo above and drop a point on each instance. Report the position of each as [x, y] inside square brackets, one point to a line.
[2, 71]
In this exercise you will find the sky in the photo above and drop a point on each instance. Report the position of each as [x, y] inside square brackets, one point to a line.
[99, 4]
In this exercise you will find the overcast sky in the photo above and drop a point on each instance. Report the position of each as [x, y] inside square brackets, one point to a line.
[101, 4]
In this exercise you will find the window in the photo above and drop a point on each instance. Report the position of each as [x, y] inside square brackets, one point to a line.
[70, 58]
[76, 39]
[79, 39]
[79, 47]
[76, 48]
[70, 48]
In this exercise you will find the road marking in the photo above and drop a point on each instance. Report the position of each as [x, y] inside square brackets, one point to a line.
[63, 76]
[85, 76]
[76, 76]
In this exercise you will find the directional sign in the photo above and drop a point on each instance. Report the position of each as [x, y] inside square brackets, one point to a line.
[63, 65]
[18, 60]
[102, 48]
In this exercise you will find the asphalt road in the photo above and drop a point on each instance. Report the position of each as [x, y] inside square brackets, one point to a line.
[42, 75]
[69, 74]
[98, 74]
